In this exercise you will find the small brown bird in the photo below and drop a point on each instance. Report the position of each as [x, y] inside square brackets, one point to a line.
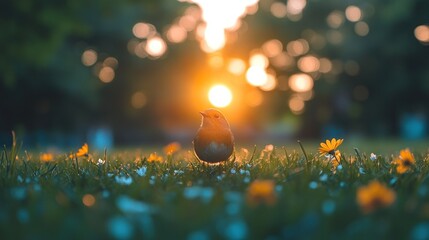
[214, 141]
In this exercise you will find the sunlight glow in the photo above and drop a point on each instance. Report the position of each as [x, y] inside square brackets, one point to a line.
[219, 16]
[236, 66]
[220, 96]
[256, 76]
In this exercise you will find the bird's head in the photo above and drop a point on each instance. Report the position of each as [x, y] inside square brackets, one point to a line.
[213, 118]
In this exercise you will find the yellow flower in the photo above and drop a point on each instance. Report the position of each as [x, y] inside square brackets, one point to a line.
[329, 147]
[46, 157]
[153, 157]
[405, 161]
[171, 148]
[373, 196]
[83, 151]
[261, 191]
[337, 160]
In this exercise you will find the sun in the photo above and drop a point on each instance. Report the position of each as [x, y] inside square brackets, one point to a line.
[220, 96]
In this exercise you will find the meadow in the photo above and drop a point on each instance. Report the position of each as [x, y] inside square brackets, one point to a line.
[263, 192]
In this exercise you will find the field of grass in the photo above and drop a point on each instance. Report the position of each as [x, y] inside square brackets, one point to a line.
[262, 193]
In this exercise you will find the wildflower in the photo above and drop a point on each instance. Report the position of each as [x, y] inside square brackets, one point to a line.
[405, 161]
[329, 150]
[373, 157]
[46, 157]
[100, 162]
[330, 147]
[83, 151]
[171, 148]
[261, 191]
[373, 196]
[153, 157]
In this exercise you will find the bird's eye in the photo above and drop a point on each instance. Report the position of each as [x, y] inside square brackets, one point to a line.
[216, 116]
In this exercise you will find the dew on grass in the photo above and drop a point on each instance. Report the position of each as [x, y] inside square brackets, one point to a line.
[20, 179]
[141, 171]
[324, 177]
[22, 215]
[132, 206]
[204, 193]
[340, 167]
[233, 171]
[236, 229]
[393, 181]
[312, 185]
[246, 179]
[422, 191]
[124, 180]
[328, 207]
[19, 193]
[120, 228]
[373, 157]
[105, 194]
[178, 172]
[152, 180]
[110, 174]
[244, 172]
[37, 187]
[361, 170]
[233, 208]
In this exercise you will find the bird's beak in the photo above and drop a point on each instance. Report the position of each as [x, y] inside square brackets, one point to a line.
[203, 114]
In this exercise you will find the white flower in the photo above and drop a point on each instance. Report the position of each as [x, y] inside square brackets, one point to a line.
[124, 180]
[373, 156]
[100, 162]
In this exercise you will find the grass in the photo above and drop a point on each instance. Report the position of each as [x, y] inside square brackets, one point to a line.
[125, 196]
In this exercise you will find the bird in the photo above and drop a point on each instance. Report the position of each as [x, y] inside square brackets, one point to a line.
[214, 141]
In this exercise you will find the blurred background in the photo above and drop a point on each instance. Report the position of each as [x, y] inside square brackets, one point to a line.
[130, 72]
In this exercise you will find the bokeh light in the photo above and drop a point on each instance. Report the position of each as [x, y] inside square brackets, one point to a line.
[176, 34]
[295, 7]
[422, 33]
[138, 100]
[353, 13]
[88, 200]
[270, 84]
[256, 76]
[272, 48]
[325, 65]
[282, 61]
[259, 60]
[296, 104]
[361, 28]
[278, 9]
[111, 62]
[335, 19]
[214, 37]
[89, 57]
[297, 47]
[301, 82]
[308, 64]
[155, 46]
[236, 66]
[143, 30]
[220, 96]
[106, 74]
